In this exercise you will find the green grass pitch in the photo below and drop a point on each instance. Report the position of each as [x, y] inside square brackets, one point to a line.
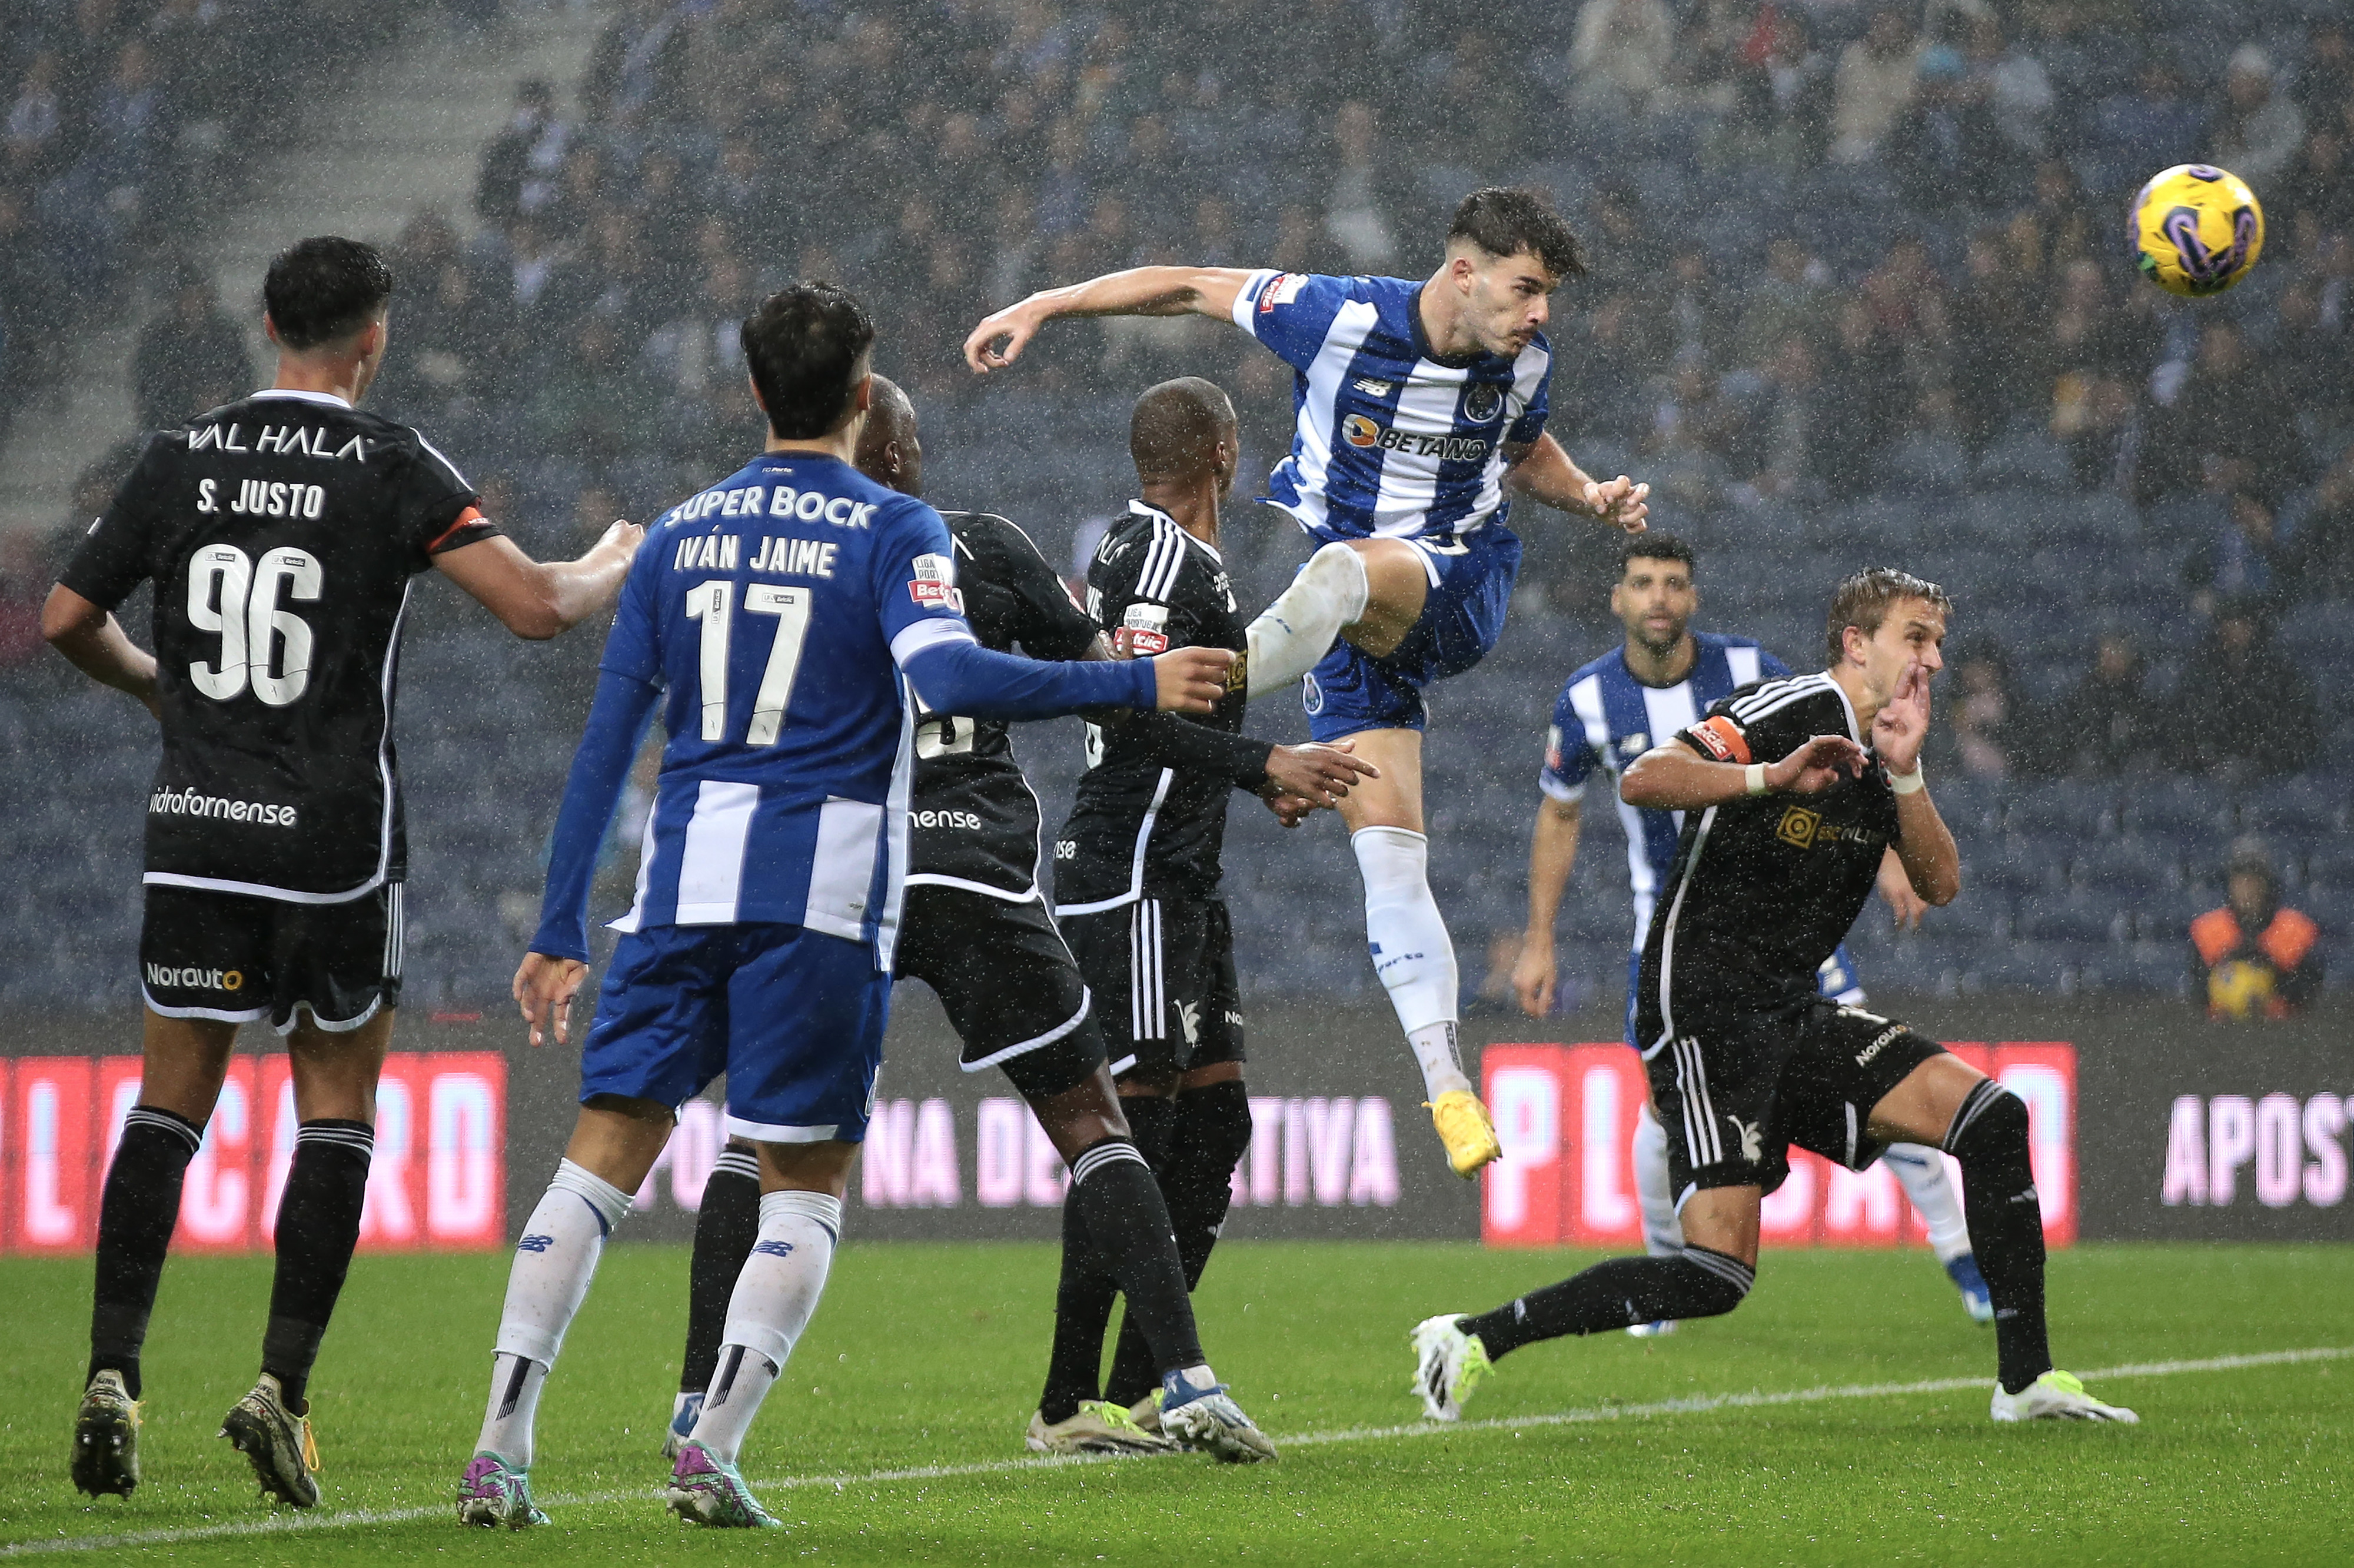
[926, 1359]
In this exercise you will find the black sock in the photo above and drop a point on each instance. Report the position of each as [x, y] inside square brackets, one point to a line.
[1152, 1125]
[135, 1217]
[1213, 1128]
[1083, 1298]
[318, 1226]
[1618, 1294]
[1989, 1138]
[725, 1230]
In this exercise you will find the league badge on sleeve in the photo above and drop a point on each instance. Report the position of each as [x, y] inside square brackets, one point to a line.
[1142, 632]
[934, 586]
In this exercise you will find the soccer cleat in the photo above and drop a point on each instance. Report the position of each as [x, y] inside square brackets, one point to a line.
[1207, 1418]
[1448, 1364]
[1976, 1300]
[1098, 1427]
[1146, 1413]
[2056, 1396]
[689, 1411]
[106, 1438]
[1463, 1126]
[704, 1490]
[491, 1495]
[277, 1443]
[1652, 1330]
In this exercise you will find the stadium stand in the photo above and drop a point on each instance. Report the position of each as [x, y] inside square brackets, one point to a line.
[1859, 292]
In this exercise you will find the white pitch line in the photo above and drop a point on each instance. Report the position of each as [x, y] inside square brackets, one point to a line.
[1695, 1404]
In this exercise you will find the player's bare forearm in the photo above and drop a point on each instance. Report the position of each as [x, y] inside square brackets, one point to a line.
[1545, 471]
[540, 599]
[1001, 337]
[1552, 852]
[1673, 776]
[1933, 863]
[94, 642]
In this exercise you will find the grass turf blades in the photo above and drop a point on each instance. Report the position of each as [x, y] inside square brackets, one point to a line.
[928, 1357]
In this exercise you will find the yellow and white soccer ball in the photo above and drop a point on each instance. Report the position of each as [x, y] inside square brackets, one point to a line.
[2197, 229]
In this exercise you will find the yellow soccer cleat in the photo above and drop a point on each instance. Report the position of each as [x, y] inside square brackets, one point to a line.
[1463, 1126]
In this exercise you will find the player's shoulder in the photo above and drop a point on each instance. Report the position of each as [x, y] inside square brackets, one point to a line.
[985, 535]
[1724, 641]
[1815, 698]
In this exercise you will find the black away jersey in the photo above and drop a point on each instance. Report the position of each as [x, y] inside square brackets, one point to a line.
[280, 533]
[974, 821]
[1142, 824]
[1764, 888]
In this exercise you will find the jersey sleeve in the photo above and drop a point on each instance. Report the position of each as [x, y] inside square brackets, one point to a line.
[1569, 757]
[634, 648]
[439, 510]
[1291, 312]
[1050, 626]
[914, 567]
[1751, 726]
[1531, 422]
[114, 556]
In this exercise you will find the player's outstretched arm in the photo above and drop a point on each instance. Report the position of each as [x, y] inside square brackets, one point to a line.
[1544, 471]
[1553, 851]
[1673, 776]
[96, 645]
[540, 599]
[1000, 339]
[956, 675]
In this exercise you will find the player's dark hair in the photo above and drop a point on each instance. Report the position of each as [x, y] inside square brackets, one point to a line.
[806, 346]
[1655, 546]
[1505, 222]
[1175, 429]
[1864, 600]
[323, 290]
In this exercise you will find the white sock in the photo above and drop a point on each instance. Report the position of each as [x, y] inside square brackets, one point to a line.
[1410, 947]
[1663, 1232]
[1296, 630]
[775, 1296]
[554, 1262]
[1923, 1172]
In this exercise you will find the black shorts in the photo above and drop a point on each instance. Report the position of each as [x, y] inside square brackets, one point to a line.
[240, 960]
[1008, 983]
[1736, 1085]
[1162, 970]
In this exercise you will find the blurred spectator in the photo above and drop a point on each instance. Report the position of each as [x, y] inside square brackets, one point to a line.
[2257, 130]
[2254, 957]
[2108, 724]
[1625, 249]
[1783, 90]
[2220, 426]
[2001, 354]
[1353, 216]
[1618, 57]
[1866, 404]
[1791, 299]
[2012, 84]
[2325, 83]
[1984, 715]
[1696, 310]
[2308, 351]
[2253, 557]
[2319, 185]
[1693, 428]
[1945, 149]
[1873, 86]
[1785, 425]
[2154, 124]
[2325, 532]
[192, 357]
[2254, 716]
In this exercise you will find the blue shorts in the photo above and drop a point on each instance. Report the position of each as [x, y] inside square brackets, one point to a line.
[1836, 978]
[1471, 587]
[793, 1017]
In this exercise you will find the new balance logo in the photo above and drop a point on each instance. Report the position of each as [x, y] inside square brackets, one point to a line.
[535, 1244]
[1752, 1139]
[775, 1248]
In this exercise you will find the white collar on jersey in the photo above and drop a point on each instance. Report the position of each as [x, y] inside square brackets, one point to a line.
[1139, 509]
[328, 398]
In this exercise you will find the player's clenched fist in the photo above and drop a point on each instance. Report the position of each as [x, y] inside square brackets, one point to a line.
[1190, 679]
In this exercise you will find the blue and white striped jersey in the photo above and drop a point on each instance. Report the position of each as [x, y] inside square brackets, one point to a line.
[1390, 440]
[774, 609]
[1604, 718]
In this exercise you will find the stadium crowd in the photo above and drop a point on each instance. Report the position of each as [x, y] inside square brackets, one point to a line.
[1859, 286]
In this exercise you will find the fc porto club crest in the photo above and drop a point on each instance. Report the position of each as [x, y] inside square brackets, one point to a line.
[1483, 402]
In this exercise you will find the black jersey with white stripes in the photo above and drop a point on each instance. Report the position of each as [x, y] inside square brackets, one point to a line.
[1140, 825]
[280, 533]
[1764, 888]
[973, 822]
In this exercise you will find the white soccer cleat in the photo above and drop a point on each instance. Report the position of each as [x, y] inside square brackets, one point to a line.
[1448, 1364]
[2056, 1396]
[1207, 1418]
[1651, 1330]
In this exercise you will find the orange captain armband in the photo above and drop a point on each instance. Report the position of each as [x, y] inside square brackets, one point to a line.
[1723, 740]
